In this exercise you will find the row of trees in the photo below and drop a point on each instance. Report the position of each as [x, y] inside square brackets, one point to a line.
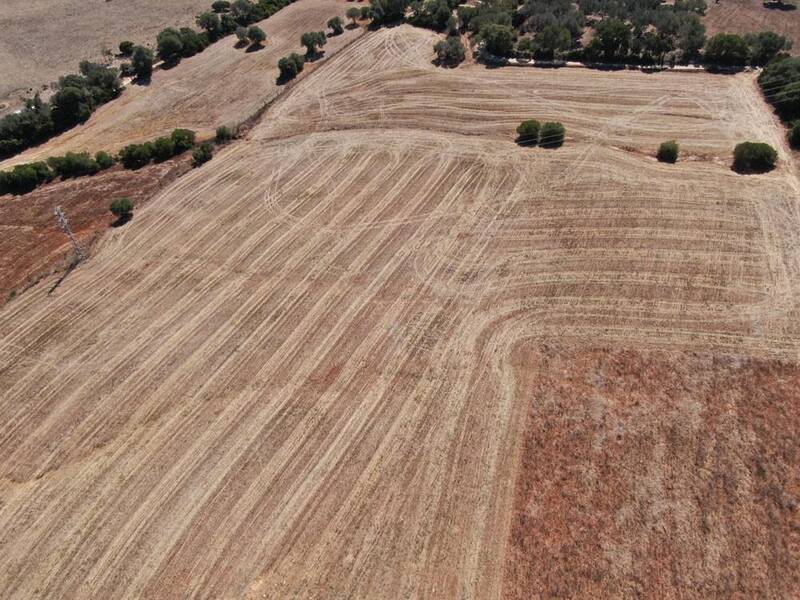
[549, 135]
[780, 84]
[26, 177]
[289, 66]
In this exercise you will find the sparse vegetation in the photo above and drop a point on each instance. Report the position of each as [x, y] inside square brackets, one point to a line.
[668, 152]
[224, 134]
[754, 157]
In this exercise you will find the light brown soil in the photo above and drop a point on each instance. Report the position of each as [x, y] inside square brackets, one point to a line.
[45, 39]
[223, 85]
[750, 16]
[310, 369]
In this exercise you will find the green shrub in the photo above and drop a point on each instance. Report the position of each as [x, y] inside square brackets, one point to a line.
[142, 62]
[450, 51]
[290, 66]
[73, 164]
[24, 178]
[135, 156]
[126, 48]
[313, 41]
[754, 157]
[163, 149]
[104, 160]
[202, 154]
[499, 39]
[183, 139]
[668, 152]
[170, 45]
[256, 35]
[551, 135]
[241, 34]
[224, 134]
[528, 132]
[336, 25]
[121, 208]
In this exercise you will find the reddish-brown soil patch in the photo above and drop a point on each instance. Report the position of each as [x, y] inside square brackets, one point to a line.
[646, 474]
[32, 245]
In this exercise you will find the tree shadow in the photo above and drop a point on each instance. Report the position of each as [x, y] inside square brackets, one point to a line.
[351, 26]
[240, 44]
[779, 6]
[122, 220]
[64, 275]
[255, 47]
[142, 81]
[315, 56]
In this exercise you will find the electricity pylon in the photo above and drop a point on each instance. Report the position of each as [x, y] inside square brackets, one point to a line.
[62, 220]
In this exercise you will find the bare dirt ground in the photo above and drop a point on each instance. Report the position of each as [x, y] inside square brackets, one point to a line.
[750, 16]
[322, 365]
[221, 86]
[44, 39]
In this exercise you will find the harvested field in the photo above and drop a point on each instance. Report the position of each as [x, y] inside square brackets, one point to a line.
[358, 353]
[750, 16]
[223, 85]
[44, 39]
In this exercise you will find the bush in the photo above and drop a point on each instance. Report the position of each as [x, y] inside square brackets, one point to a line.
[183, 139]
[754, 157]
[170, 45]
[290, 66]
[104, 160]
[135, 156]
[224, 134]
[202, 154]
[256, 35]
[353, 13]
[121, 208]
[336, 25]
[313, 41]
[668, 152]
[126, 48]
[142, 62]
[163, 149]
[528, 132]
[220, 6]
[210, 23]
[499, 39]
[450, 51]
[794, 136]
[551, 135]
[24, 178]
[73, 165]
[726, 50]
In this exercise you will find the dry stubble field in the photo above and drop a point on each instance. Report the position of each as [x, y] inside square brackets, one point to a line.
[376, 350]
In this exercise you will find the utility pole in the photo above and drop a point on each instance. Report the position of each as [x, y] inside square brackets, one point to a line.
[62, 221]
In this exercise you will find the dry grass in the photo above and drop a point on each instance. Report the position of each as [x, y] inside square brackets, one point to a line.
[298, 372]
[750, 16]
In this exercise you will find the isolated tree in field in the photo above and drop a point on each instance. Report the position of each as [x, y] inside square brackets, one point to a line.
[336, 25]
[256, 35]
[221, 6]
[169, 45]
[353, 13]
[754, 157]
[313, 41]
[449, 52]
[499, 39]
[290, 66]
[142, 62]
[121, 208]
[126, 48]
[528, 132]
[726, 50]
[668, 152]
[202, 154]
[210, 23]
[551, 135]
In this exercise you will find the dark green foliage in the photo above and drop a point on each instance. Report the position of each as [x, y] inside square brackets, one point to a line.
[528, 132]
[552, 40]
[726, 50]
[794, 136]
[551, 135]
[353, 13]
[224, 134]
[70, 106]
[202, 154]
[241, 34]
[388, 11]
[612, 42]
[336, 25]
[135, 156]
[691, 37]
[191, 42]
[432, 14]
[491, 12]
[126, 70]
[170, 46]
[754, 157]
[183, 139]
[210, 23]
[142, 62]
[228, 24]
[24, 178]
[290, 66]
[313, 41]
[163, 149]
[256, 35]
[449, 52]
[668, 152]
[27, 128]
[366, 12]
[557, 15]
[73, 165]
[765, 46]
[126, 48]
[121, 208]
[242, 11]
[220, 6]
[104, 160]
[498, 39]
[780, 84]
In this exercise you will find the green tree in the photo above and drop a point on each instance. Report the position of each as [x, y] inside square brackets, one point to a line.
[256, 35]
[104, 160]
[220, 6]
[726, 50]
[135, 156]
[313, 41]
[612, 42]
[224, 134]
[668, 152]
[366, 12]
[387, 11]
[290, 66]
[142, 62]
[353, 13]
[336, 25]
[209, 22]
[70, 106]
[794, 136]
[122, 208]
[242, 11]
[754, 157]
[498, 39]
[126, 48]
[551, 135]
[691, 37]
[202, 154]
[163, 149]
[183, 139]
[170, 45]
[765, 46]
[450, 51]
[528, 132]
